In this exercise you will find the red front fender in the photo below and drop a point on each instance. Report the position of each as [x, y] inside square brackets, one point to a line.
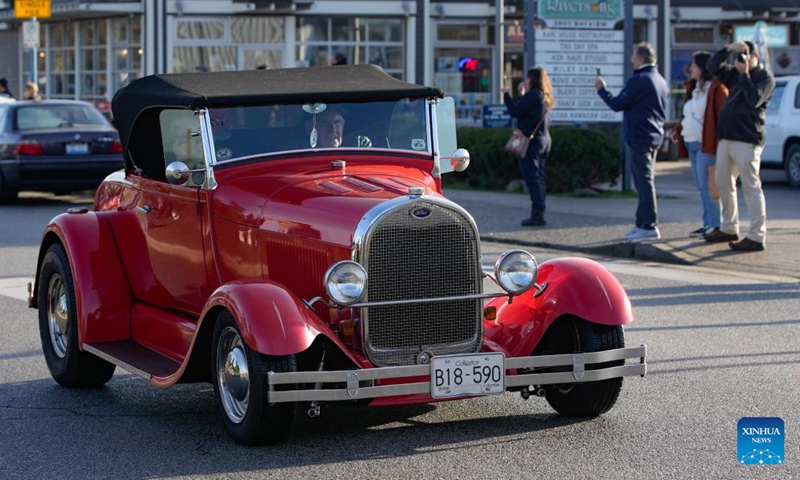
[575, 286]
[273, 321]
[102, 294]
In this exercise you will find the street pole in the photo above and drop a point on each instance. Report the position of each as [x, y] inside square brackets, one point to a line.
[35, 58]
[422, 40]
[531, 12]
[500, 36]
[626, 168]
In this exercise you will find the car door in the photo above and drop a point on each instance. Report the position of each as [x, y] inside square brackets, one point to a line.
[161, 229]
[772, 123]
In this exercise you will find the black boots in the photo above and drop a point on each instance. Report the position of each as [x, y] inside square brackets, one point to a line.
[537, 217]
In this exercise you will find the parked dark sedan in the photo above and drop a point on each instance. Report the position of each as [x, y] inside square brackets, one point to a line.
[58, 146]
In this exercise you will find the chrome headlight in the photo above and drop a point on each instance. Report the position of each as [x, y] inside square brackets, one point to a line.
[516, 271]
[346, 282]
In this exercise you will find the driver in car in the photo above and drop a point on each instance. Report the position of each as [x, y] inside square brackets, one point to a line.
[329, 126]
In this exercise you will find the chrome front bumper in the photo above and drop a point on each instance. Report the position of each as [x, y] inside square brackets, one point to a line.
[353, 390]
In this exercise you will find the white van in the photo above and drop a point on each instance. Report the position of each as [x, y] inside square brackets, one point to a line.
[782, 147]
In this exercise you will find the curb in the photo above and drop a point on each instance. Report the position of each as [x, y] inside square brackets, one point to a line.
[652, 252]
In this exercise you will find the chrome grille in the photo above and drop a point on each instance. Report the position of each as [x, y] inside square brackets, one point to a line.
[413, 258]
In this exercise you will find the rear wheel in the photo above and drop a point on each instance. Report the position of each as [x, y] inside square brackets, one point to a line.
[573, 335]
[240, 386]
[58, 326]
[792, 165]
[8, 194]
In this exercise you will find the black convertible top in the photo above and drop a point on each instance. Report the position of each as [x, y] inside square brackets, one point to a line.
[337, 83]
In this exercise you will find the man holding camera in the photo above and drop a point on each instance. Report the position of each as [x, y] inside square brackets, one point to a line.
[740, 130]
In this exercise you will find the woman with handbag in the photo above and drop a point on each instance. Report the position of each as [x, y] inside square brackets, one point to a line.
[531, 111]
[696, 135]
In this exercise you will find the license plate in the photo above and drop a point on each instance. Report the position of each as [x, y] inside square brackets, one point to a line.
[460, 375]
[77, 149]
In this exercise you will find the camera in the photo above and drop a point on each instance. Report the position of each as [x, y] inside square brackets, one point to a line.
[742, 57]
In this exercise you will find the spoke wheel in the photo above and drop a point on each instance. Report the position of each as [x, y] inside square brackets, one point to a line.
[240, 387]
[58, 326]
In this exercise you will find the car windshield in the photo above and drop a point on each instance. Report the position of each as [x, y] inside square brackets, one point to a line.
[43, 116]
[246, 131]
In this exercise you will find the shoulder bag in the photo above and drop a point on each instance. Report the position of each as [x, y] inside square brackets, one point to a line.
[518, 143]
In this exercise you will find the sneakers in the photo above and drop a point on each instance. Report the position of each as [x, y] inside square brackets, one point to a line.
[747, 245]
[632, 231]
[718, 235]
[642, 234]
[700, 232]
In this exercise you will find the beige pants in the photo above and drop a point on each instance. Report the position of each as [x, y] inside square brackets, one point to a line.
[743, 160]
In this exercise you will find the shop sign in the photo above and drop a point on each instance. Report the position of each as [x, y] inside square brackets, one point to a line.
[571, 58]
[594, 14]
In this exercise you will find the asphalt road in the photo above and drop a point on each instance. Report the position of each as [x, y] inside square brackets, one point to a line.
[721, 347]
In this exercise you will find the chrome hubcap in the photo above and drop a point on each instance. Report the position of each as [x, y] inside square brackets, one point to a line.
[233, 375]
[58, 315]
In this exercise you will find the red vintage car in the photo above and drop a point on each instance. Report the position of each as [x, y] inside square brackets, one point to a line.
[283, 235]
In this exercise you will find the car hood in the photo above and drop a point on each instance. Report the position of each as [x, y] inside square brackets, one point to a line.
[322, 205]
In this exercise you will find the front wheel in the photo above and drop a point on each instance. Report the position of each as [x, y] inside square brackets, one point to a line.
[573, 335]
[58, 326]
[240, 386]
[792, 165]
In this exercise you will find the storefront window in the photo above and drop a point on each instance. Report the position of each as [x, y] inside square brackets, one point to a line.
[465, 74]
[61, 62]
[93, 61]
[257, 30]
[458, 33]
[204, 59]
[214, 30]
[357, 40]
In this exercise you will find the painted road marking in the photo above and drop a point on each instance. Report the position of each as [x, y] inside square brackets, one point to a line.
[16, 288]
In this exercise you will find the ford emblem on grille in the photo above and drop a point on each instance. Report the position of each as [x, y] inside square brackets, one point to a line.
[421, 212]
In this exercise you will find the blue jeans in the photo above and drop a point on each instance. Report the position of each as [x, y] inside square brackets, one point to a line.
[533, 173]
[700, 162]
[642, 160]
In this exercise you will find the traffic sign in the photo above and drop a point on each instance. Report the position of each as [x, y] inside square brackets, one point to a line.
[32, 9]
[30, 35]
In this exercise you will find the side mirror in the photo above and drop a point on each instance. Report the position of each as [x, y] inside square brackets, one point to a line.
[459, 161]
[178, 173]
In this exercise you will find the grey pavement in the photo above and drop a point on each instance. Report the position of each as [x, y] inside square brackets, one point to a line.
[596, 226]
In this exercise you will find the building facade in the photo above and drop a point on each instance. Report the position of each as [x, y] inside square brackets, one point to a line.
[88, 50]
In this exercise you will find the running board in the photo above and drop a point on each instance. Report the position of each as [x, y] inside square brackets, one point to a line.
[135, 358]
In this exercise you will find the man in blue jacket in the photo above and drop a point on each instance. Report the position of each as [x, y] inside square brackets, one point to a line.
[644, 101]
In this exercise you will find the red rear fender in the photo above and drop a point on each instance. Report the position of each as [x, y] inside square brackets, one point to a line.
[575, 286]
[273, 321]
[102, 295]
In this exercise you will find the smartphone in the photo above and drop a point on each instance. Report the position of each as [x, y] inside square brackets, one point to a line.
[598, 71]
[505, 81]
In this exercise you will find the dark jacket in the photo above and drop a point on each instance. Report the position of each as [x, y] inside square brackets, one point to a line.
[528, 111]
[717, 93]
[644, 100]
[743, 113]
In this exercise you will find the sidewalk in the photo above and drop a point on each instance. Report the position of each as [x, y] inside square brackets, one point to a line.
[596, 226]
